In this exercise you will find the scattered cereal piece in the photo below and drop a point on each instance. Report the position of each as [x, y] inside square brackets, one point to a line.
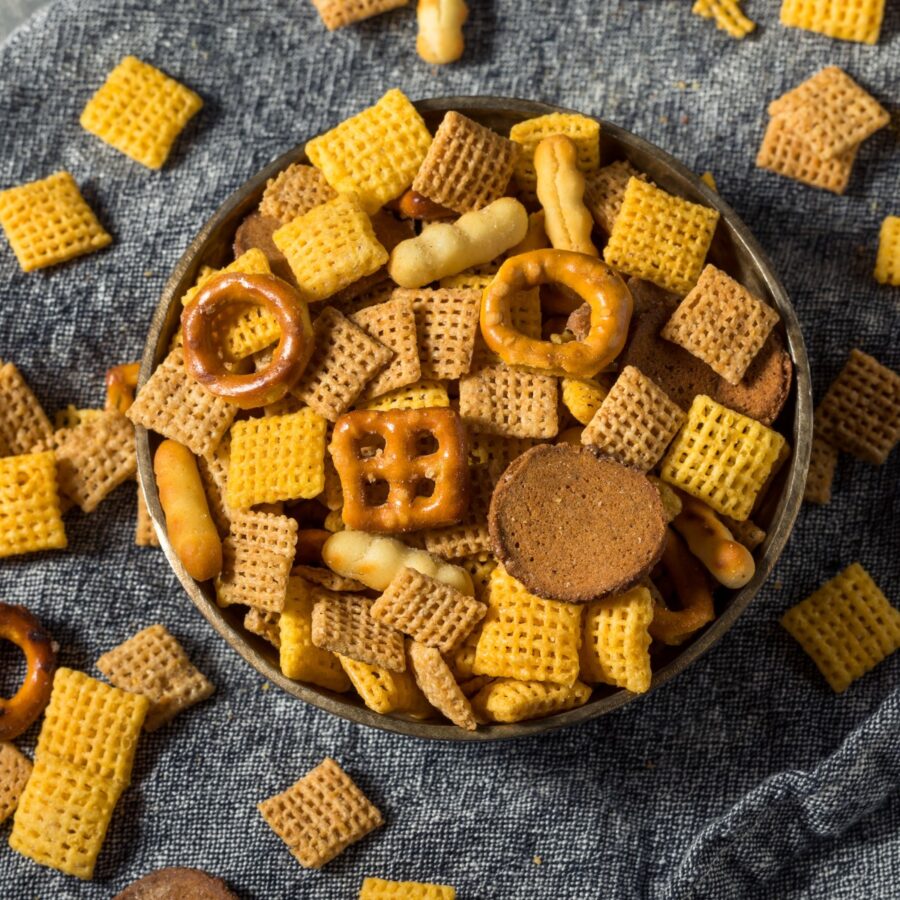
[635, 422]
[140, 112]
[339, 13]
[822, 463]
[887, 266]
[30, 515]
[722, 457]
[467, 165]
[321, 815]
[728, 16]
[860, 413]
[48, 222]
[392, 323]
[509, 700]
[23, 422]
[374, 154]
[436, 681]
[154, 664]
[604, 191]
[15, 768]
[660, 237]
[384, 691]
[294, 192]
[276, 458]
[616, 645]
[846, 20]
[379, 889]
[722, 323]
[847, 626]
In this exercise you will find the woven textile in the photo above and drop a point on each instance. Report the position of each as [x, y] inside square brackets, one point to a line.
[744, 776]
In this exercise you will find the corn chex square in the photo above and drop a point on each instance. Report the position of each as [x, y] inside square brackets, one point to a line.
[509, 700]
[722, 323]
[636, 421]
[321, 815]
[722, 457]
[582, 131]
[152, 663]
[616, 645]
[94, 458]
[846, 20]
[786, 153]
[527, 637]
[467, 165]
[48, 222]
[860, 413]
[251, 262]
[436, 681]
[338, 13]
[295, 191]
[299, 657]
[374, 154]
[497, 452]
[432, 613]
[887, 265]
[471, 537]
[343, 623]
[582, 397]
[428, 393]
[510, 402]
[257, 556]
[92, 726]
[177, 407]
[847, 626]
[23, 422]
[330, 247]
[831, 112]
[343, 362]
[728, 16]
[140, 112]
[379, 889]
[392, 323]
[15, 768]
[660, 237]
[384, 691]
[604, 191]
[63, 816]
[30, 514]
[276, 458]
[822, 464]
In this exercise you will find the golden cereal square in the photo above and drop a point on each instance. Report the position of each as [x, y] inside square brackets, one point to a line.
[728, 16]
[846, 20]
[660, 237]
[330, 247]
[321, 815]
[847, 626]
[140, 112]
[92, 725]
[48, 222]
[722, 457]
[425, 394]
[509, 700]
[15, 768]
[276, 458]
[582, 397]
[30, 514]
[23, 422]
[251, 262]
[887, 265]
[152, 663]
[380, 889]
[374, 154]
[300, 658]
[616, 645]
[63, 816]
[860, 412]
[338, 13]
[384, 691]
[527, 637]
[582, 131]
[722, 323]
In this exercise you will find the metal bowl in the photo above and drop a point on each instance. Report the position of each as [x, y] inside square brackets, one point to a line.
[734, 249]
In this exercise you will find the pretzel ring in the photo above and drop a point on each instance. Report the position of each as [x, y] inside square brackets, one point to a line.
[201, 355]
[594, 281]
[20, 627]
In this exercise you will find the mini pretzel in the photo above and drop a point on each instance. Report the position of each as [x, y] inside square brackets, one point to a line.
[121, 382]
[560, 189]
[202, 357]
[440, 38]
[672, 626]
[20, 627]
[594, 281]
[414, 206]
[727, 560]
[401, 469]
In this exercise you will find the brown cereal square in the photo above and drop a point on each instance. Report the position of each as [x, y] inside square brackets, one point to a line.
[295, 191]
[339, 13]
[604, 191]
[15, 768]
[23, 422]
[436, 681]
[822, 464]
[144, 532]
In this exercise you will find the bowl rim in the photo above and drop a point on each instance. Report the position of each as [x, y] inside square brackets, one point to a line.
[784, 516]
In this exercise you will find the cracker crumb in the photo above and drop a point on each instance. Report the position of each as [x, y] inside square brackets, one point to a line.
[266, 685]
[537, 860]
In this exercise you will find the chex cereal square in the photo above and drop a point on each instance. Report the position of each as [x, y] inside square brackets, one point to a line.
[30, 514]
[384, 691]
[338, 13]
[48, 222]
[295, 191]
[887, 265]
[727, 15]
[846, 20]
[582, 397]
[15, 768]
[604, 191]
[511, 700]
[392, 323]
[436, 681]
[428, 393]
[380, 889]
[822, 464]
[23, 422]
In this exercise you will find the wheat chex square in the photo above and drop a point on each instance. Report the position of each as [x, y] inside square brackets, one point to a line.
[822, 464]
[604, 191]
[23, 422]
[15, 768]
[436, 681]
[339, 13]
[295, 191]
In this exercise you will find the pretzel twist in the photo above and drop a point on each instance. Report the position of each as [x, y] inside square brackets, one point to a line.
[203, 359]
[121, 382]
[595, 282]
[560, 190]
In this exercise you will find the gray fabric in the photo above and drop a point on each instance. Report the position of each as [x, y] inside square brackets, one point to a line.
[745, 776]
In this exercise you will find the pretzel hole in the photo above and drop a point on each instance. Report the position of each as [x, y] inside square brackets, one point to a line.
[369, 445]
[375, 493]
[425, 487]
[426, 443]
[12, 668]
